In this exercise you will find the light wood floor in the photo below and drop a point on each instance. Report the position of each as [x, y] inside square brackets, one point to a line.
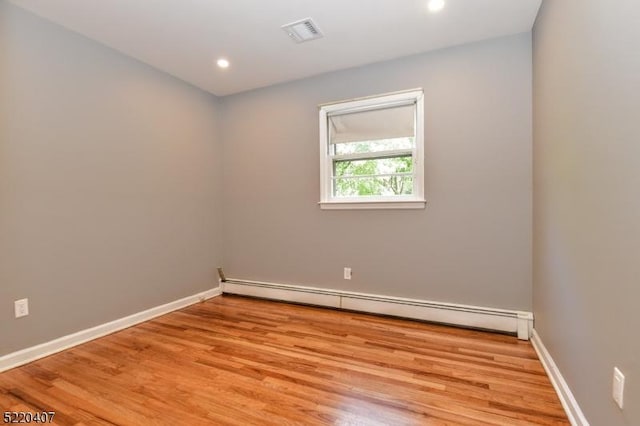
[239, 361]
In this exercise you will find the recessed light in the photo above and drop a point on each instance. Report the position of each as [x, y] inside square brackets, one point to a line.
[435, 5]
[223, 63]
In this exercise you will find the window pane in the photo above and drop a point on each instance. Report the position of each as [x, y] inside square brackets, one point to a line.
[374, 146]
[379, 166]
[373, 186]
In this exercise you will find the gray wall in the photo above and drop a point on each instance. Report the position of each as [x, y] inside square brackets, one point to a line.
[109, 183]
[586, 204]
[472, 244]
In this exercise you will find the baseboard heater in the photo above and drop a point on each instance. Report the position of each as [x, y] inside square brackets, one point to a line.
[519, 323]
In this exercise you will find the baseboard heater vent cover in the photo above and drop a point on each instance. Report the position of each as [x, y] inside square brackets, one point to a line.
[519, 323]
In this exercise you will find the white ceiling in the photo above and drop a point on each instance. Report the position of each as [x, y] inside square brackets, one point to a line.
[185, 37]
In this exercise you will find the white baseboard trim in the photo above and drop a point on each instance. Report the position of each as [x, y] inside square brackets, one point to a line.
[571, 407]
[33, 353]
[518, 322]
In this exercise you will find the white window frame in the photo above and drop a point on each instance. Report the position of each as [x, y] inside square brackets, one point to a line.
[415, 201]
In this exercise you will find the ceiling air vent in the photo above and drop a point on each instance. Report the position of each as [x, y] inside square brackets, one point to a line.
[302, 30]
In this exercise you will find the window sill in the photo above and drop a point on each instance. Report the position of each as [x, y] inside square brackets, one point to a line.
[372, 205]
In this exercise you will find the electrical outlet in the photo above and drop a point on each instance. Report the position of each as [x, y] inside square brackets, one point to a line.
[618, 387]
[21, 308]
[347, 273]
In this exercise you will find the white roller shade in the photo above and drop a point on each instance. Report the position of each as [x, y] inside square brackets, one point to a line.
[385, 123]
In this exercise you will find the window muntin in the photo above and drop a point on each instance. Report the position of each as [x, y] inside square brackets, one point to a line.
[371, 151]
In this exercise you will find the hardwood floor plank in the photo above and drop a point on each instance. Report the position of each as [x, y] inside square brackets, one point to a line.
[241, 361]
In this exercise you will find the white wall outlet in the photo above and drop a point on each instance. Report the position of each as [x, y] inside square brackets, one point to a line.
[21, 308]
[618, 387]
[347, 273]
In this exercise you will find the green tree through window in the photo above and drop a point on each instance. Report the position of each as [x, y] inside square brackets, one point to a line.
[387, 174]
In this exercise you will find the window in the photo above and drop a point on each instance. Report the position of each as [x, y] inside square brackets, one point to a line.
[371, 152]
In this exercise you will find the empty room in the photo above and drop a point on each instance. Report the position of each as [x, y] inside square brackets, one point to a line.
[305, 212]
